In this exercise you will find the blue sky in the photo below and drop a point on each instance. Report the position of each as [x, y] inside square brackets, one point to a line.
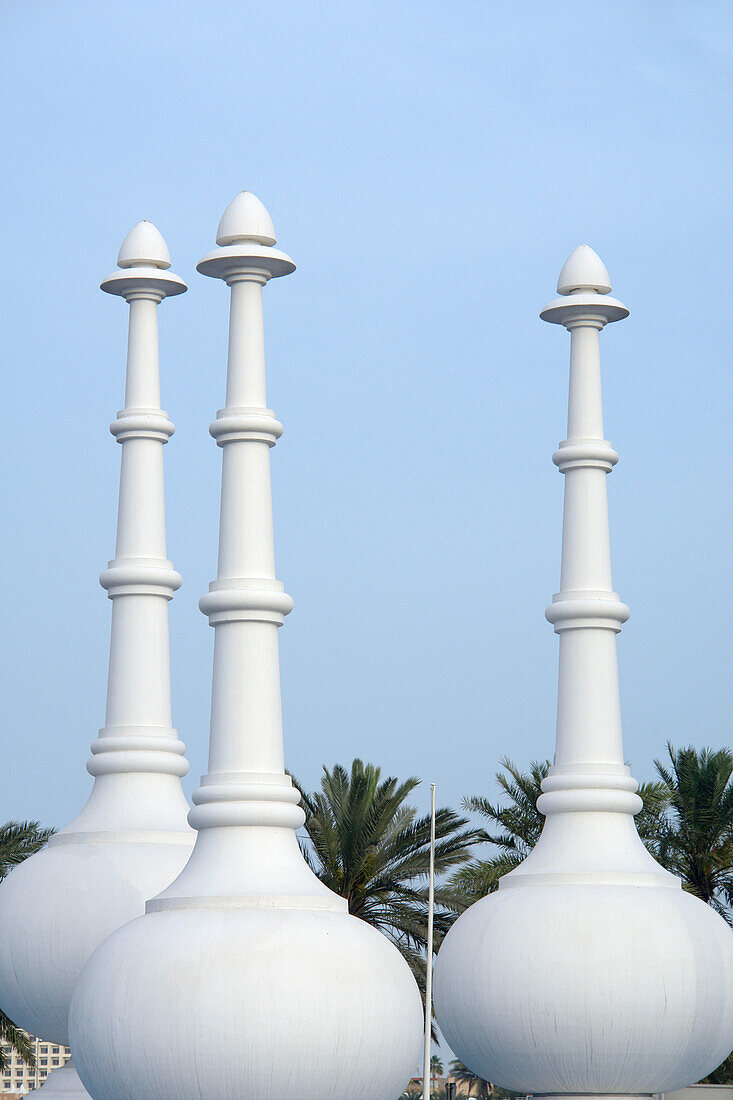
[429, 167]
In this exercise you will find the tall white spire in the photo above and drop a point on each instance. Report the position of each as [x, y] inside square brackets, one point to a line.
[247, 976]
[587, 613]
[589, 972]
[140, 580]
[132, 837]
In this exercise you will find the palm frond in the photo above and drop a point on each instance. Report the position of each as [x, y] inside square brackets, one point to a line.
[19, 1040]
[694, 835]
[18, 840]
[366, 842]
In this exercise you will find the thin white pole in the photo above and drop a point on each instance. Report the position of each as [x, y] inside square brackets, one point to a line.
[429, 959]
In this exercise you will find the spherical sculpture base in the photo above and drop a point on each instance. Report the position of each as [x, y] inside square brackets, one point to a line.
[131, 839]
[247, 976]
[88, 890]
[611, 988]
[238, 985]
[589, 972]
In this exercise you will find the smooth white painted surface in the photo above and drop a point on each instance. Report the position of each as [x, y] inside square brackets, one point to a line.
[63, 1083]
[589, 971]
[246, 976]
[132, 836]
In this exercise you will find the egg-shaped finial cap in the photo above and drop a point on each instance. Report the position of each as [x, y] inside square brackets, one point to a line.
[144, 246]
[245, 219]
[584, 270]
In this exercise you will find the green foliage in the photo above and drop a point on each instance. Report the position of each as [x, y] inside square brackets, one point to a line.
[695, 837]
[464, 1076]
[18, 840]
[368, 844]
[19, 1041]
[515, 829]
[436, 1070]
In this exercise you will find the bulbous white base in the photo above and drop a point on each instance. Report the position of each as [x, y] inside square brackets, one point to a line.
[63, 1083]
[273, 1003]
[60, 904]
[587, 989]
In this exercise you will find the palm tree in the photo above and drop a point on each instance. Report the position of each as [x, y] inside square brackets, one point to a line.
[18, 840]
[436, 1069]
[520, 824]
[367, 844]
[465, 1076]
[696, 836]
[695, 839]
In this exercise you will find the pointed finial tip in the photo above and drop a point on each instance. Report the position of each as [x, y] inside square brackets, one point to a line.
[144, 246]
[584, 270]
[245, 219]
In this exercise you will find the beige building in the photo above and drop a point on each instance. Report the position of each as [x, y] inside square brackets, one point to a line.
[20, 1078]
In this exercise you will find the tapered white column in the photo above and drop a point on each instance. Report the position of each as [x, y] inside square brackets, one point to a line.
[589, 768]
[246, 782]
[138, 736]
[132, 837]
[247, 976]
[589, 972]
[586, 612]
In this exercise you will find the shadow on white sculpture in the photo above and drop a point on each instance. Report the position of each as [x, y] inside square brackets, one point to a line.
[589, 971]
[132, 836]
[247, 976]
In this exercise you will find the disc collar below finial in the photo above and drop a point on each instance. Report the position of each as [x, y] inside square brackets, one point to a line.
[245, 237]
[144, 259]
[584, 284]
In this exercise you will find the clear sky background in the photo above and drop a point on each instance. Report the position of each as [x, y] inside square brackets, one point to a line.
[428, 166]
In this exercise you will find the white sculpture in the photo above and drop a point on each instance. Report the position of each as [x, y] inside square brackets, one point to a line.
[132, 836]
[589, 971]
[247, 976]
